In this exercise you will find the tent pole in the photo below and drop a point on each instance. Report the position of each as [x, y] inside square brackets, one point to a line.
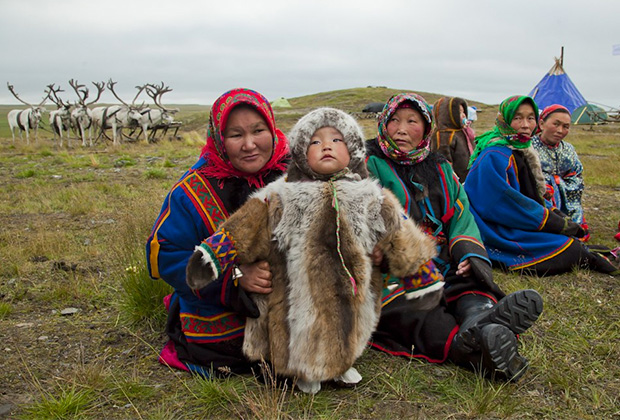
[562, 58]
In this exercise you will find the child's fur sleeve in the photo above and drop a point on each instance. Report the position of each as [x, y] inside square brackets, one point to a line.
[409, 252]
[242, 239]
[406, 246]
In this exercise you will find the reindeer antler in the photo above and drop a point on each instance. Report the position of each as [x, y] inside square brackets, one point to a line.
[111, 87]
[80, 90]
[56, 99]
[140, 89]
[100, 88]
[12, 90]
[156, 92]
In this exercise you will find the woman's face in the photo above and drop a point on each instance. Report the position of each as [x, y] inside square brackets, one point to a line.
[406, 128]
[247, 139]
[555, 128]
[524, 120]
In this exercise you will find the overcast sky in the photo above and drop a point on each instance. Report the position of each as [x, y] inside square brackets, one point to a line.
[480, 50]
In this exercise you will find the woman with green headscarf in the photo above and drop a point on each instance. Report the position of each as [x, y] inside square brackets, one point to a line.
[507, 193]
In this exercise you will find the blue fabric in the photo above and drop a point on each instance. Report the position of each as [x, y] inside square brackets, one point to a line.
[557, 89]
[509, 221]
[179, 228]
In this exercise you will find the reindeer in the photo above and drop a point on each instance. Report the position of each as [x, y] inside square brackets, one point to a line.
[157, 118]
[82, 116]
[60, 119]
[116, 117]
[25, 119]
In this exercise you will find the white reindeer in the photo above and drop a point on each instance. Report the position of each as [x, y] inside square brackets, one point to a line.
[25, 119]
[82, 116]
[60, 119]
[116, 117]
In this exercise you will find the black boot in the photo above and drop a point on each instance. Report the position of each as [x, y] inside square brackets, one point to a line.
[518, 311]
[498, 357]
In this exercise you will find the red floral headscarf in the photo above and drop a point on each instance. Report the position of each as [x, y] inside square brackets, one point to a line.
[218, 164]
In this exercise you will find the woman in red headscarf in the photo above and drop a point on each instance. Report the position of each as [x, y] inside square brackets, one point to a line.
[244, 151]
[560, 164]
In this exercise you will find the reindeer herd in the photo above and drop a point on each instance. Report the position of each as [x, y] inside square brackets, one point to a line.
[82, 120]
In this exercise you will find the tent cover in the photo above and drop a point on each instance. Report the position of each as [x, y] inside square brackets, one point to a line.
[281, 103]
[557, 88]
[589, 114]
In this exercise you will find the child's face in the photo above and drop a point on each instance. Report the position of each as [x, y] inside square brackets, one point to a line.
[463, 115]
[524, 120]
[406, 127]
[327, 152]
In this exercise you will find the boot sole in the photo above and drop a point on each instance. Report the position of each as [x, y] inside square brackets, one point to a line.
[500, 357]
[518, 311]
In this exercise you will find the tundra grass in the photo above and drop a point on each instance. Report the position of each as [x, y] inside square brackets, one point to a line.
[74, 225]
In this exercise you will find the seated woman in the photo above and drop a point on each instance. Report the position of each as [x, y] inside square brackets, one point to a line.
[560, 164]
[507, 192]
[244, 151]
[469, 327]
[453, 137]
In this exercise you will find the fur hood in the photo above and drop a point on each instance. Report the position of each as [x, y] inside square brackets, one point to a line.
[446, 113]
[299, 140]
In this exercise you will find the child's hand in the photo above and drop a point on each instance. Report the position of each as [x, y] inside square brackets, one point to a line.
[464, 268]
[376, 256]
[256, 277]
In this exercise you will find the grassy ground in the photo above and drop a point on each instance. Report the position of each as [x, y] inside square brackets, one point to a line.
[74, 223]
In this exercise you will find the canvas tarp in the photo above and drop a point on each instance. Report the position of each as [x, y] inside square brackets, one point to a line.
[589, 114]
[557, 88]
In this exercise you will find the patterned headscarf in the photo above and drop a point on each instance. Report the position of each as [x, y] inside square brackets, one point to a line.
[503, 134]
[388, 146]
[219, 165]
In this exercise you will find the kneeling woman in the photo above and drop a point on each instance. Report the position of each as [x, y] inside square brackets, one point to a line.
[244, 152]
[507, 192]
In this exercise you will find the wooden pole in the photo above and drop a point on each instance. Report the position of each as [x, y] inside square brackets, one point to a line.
[562, 58]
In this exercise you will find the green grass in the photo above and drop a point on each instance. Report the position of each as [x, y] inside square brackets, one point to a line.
[74, 225]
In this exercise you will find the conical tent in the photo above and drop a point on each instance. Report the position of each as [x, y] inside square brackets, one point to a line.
[281, 102]
[589, 114]
[557, 88]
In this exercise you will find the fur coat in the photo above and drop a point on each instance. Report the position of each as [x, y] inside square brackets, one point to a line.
[312, 326]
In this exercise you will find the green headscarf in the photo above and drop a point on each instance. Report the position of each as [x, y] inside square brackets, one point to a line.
[503, 134]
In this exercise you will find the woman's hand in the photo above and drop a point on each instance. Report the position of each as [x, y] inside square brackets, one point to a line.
[464, 268]
[256, 277]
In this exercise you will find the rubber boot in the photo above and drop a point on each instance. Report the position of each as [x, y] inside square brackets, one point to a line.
[518, 311]
[498, 357]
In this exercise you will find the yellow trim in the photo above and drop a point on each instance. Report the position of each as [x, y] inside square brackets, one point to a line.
[153, 260]
[545, 218]
[559, 251]
[227, 332]
[202, 207]
[206, 318]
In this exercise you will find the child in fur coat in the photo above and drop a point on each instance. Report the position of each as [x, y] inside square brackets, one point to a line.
[317, 227]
